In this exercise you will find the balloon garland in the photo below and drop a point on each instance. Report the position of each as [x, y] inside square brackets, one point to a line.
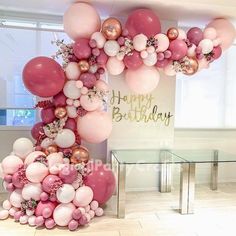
[54, 182]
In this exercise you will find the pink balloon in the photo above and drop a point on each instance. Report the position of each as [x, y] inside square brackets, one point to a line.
[88, 80]
[32, 156]
[143, 80]
[70, 124]
[50, 183]
[16, 180]
[54, 158]
[133, 61]
[59, 100]
[77, 214]
[210, 33]
[102, 181]
[50, 223]
[73, 225]
[90, 103]
[195, 35]
[37, 130]
[163, 63]
[82, 49]
[43, 77]
[217, 51]
[102, 58]
[83, 196]
[225, 30]
[40, 209]
[102, 85]
[47, 115]
[163, 42]
[178, 49]
[143, 21]
[36, 172]
[81, 20]
[68, 174]
[95, 126]
[115, 66]
[11, 164]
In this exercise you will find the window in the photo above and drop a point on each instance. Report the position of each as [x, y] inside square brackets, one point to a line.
[19, 42]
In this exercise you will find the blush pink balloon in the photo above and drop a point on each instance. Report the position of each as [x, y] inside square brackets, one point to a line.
[54, 158]
[102, 85]
[11, 164]
[37, 130]
[82, 49]
[32, 191]
[83, 196]
[43, 77]
[178, 49]
[59, 100]
[143, 21]
[162, 63]
[133, 61]
[95, 126]
[68, 174]
[195, 35]
[163, 42]
[102, 181]
[36, 172]
[88, 80]
[42, 206]
[47, 115]
[217, 51]
[81, 20]
[50, 182]
[50, 223]
[90, 103]
[32, 156]
[102, 58]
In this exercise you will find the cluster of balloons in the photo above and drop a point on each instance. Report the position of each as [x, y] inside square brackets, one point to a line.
[48, 189]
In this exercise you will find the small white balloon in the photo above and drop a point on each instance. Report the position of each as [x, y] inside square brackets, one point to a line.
[115, 66]
[72, 71]
[71, 91]
[16, 198]
[191, 51]
[182, 34]
[71, 111]
[93, 68]
[32, 191]
[31, 220]
[206, 45]
[29, 212]
[140, 42]
[111, 48]
[22, 147]
[66, 193]
[65, 138]
[163, 42]
[6, 205]
[24, 219]
[150, 60]
[99, 38]
[4, 214]
[46, 142]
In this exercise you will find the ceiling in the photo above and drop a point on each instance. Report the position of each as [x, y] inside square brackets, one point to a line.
[181, 10]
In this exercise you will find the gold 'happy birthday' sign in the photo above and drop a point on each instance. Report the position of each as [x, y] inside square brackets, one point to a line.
[141, 108]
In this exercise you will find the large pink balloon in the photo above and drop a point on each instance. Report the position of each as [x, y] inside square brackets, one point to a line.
[225, 32]
[81, 20]
[94, 127]
[82, 49]
[102, 181]
[178, 49]
[143, 80]
[37, 130]
[143, 21]
[43, 77]
[133, 61]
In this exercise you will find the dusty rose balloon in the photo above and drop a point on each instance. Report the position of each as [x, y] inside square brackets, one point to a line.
[11, 164]
[195, 35]
[162, 63]
[47, 115]
[102, 181]
[178, 49]
[143, 80]
[81, 20]
[32, 191]
[225, 32]
[36, 172]
[68, 174]
[143, 21]
[72, 70]
[16, 180]
[88, 80]
[43, 77]
[32, 156]
[73, 225]
[50, 223]
[83, 196]
[90, 103]
[59, 100]
[133, 61]
[37, 130]
[50, 182]
[102, 58]
[217, 51]
[70, 124]
[16, 198]
[45, 205]
[115, 66]
[95, 126]
[63, 214]
[163, 42]
[82, 49]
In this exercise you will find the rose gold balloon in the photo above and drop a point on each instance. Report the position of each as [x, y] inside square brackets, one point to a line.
[190, 67]
[79, 154]
[111, 28]
[51, 149]
[172, 33]
[83, 65]
[60, 112]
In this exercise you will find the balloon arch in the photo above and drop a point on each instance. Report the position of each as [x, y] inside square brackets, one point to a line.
[54, 182]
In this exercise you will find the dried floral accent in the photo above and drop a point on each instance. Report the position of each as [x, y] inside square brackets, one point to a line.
[81, 111]
[98, 93]
[127, 48]
[42, 159]
[22, 175]
[65, 51]
[188, 43]
[79, 180]
[67, 153]
[92, 60]
[55, 186]
[209, 56]
[28, 205]
[82, 169]
[152, 41]
[178, 66]
[51, 130]
[44, 104]
[41, 137]
[77, 138]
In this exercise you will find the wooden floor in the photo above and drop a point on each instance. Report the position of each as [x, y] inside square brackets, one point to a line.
[154, 214]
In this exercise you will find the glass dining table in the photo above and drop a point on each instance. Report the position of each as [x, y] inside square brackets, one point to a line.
[166, 158]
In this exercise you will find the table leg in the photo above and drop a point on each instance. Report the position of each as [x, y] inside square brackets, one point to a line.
[121, 191]
[114, 170]
[187, 188]
[214, 172]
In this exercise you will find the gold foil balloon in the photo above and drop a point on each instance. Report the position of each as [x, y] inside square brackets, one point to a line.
[60, 112]
[83, 66]
[111, 28]
[172, 33]
[51, 149]
[79, 154]
[190, 66]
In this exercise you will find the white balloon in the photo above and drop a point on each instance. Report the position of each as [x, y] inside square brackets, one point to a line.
[191, 51]
[99, 38]
[163, 42]
[72, 71]
[36, 172]
[140, 42]
[65, 138]
[151, 59]
[32, 156]
[31, 220]
[6, 205]
[111, 48]
[32, 191]
[71, 91]
[55, 158]
[66, 193]
[115, 66]
[16, 198]
[182, 34]
[206, 45]
[24, 219]
[71, 111]
[22, 147]
[4, 214]
[47, 142]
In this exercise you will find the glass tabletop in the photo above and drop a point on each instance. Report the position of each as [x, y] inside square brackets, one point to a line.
[204, 156]
[146, 157]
